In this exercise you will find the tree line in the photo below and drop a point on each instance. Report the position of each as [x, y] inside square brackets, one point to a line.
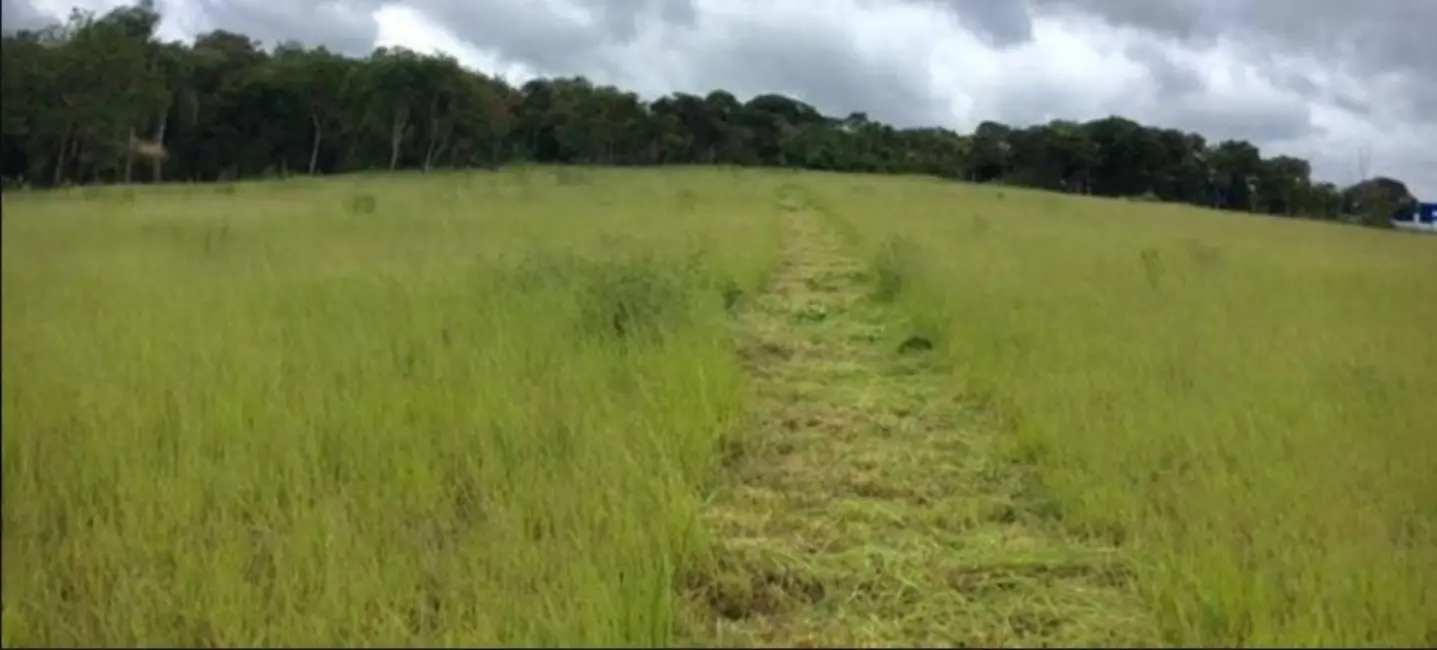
[99, 99]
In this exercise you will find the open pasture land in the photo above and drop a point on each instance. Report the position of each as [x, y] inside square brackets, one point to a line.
[708, 406]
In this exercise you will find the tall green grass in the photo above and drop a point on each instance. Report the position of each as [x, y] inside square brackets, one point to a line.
[448, 409]
[470, 409]
[1245, 404]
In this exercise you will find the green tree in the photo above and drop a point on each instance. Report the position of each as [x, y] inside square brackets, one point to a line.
[84, 98]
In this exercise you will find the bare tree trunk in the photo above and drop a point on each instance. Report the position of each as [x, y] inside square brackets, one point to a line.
[157, 164]
[130, 156]
[429, 151]
[396, 135]
[60, 158]
[433, 132]
[314, 150]
[78, 168]
[437, 145]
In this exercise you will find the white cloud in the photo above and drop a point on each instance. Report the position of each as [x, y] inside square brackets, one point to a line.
[406, 27]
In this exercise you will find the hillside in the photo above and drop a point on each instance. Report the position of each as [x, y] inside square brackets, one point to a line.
[97, 99]
[708, 406]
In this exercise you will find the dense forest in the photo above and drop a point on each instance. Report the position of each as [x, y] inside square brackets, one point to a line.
[99, 99]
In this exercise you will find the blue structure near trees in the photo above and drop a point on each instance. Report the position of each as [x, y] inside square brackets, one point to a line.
[1422, 217]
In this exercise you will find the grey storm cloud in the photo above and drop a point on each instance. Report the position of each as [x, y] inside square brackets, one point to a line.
[535, 33]
[623, 19]
[1377, 34]
[823, 71]
[342, 26]
[813, 64]
[1364, 38]
[999, 23]
[1173, 78]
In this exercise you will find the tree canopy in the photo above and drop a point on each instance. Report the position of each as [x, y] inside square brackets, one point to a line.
[100, 99]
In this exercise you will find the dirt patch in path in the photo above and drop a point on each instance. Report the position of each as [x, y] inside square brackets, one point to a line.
[868, 507]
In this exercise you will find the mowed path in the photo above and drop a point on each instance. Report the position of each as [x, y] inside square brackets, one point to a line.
[868, 507]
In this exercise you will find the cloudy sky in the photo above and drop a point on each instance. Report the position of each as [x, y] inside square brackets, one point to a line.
[1347, 84]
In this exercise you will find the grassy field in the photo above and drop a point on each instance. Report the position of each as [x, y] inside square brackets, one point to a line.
[368, 411]
[1248, 406]
[650, 407]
